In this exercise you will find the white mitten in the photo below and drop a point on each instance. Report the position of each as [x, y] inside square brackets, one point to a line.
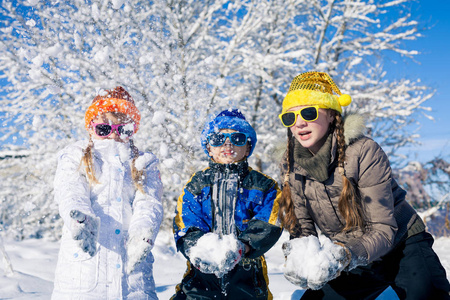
[216, 255]
[335, 258]
[342, 256]
[138, 247]
[291, 273]
[85, 230]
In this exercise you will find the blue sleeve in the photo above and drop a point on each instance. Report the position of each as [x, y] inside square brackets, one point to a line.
[189, 214]
[263, 230]
[268, 211]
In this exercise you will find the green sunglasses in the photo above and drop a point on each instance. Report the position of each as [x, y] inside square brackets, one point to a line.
[308, 114]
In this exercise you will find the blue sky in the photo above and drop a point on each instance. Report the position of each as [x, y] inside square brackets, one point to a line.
[434, 71]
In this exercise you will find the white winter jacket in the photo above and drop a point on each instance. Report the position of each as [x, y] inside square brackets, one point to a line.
[123, 212]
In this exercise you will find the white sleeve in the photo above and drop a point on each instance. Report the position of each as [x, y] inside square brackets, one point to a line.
[71, 188]
[147, 208]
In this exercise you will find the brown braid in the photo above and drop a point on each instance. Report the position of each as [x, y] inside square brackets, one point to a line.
[138, 176]
[86, 159]
[349, 203]
[287, 213]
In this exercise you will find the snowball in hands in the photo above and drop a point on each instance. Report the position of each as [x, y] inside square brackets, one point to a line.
[216, 255]
[310, 264]
[85, 230]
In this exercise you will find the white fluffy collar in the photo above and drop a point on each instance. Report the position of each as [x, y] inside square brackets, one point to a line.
[354, 128]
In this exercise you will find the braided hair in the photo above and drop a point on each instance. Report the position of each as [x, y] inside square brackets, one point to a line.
[87, 160]
[287, 211]
[137, 176]
[349, 204]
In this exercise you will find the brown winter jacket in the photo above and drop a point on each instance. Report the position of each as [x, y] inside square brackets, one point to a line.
[389, 218]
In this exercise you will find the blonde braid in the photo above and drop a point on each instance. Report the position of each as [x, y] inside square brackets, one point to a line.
[87, 160]
[137, 176]
[349, 203]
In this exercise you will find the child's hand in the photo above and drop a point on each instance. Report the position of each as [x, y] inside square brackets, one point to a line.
[216, 255]
[138, 247]
[311, 264]
[233, 257]
[85, 230]
[226, 264]
[339, 260]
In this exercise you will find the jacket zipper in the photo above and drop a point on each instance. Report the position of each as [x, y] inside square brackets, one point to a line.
[331, 203]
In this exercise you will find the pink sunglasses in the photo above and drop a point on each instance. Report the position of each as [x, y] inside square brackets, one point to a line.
[105, 129]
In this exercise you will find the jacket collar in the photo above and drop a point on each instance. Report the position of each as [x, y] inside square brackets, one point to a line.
[240, 168]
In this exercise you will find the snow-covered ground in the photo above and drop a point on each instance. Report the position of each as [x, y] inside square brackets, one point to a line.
[34, 263]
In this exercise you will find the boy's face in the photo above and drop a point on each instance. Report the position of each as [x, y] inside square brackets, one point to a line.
[228, 153]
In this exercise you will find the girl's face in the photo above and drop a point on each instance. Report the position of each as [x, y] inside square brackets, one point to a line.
[111, 118]
[312, 135]
[228, 153]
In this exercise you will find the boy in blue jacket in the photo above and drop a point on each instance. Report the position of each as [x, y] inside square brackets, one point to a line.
[227, 217]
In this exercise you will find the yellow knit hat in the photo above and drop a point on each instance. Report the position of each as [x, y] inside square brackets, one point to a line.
[315, 88]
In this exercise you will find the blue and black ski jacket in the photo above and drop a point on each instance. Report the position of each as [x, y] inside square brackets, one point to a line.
[256, 204]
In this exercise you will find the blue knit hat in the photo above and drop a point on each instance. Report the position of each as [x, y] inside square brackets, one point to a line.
[229, 119]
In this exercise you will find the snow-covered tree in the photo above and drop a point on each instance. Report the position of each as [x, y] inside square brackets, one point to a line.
[184, 61]
[428, 187]
[352, 40]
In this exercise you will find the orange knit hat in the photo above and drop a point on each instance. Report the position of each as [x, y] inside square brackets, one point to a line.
[116, 100]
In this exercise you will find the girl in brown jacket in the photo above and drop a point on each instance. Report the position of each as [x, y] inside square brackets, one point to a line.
[339, 181]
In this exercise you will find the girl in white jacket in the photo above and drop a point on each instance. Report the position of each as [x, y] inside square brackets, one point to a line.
[109, 196]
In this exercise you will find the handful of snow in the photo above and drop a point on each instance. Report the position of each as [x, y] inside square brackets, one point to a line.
[311, 264]
[216, 255]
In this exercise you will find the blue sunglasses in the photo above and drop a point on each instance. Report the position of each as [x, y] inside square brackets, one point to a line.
[219, 138]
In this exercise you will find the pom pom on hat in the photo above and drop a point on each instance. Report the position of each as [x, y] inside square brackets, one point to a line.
[315, 88]
[345, 100]
[116, 100]
[229, 119]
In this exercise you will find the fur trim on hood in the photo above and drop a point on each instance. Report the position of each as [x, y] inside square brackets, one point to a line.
[354, 128]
